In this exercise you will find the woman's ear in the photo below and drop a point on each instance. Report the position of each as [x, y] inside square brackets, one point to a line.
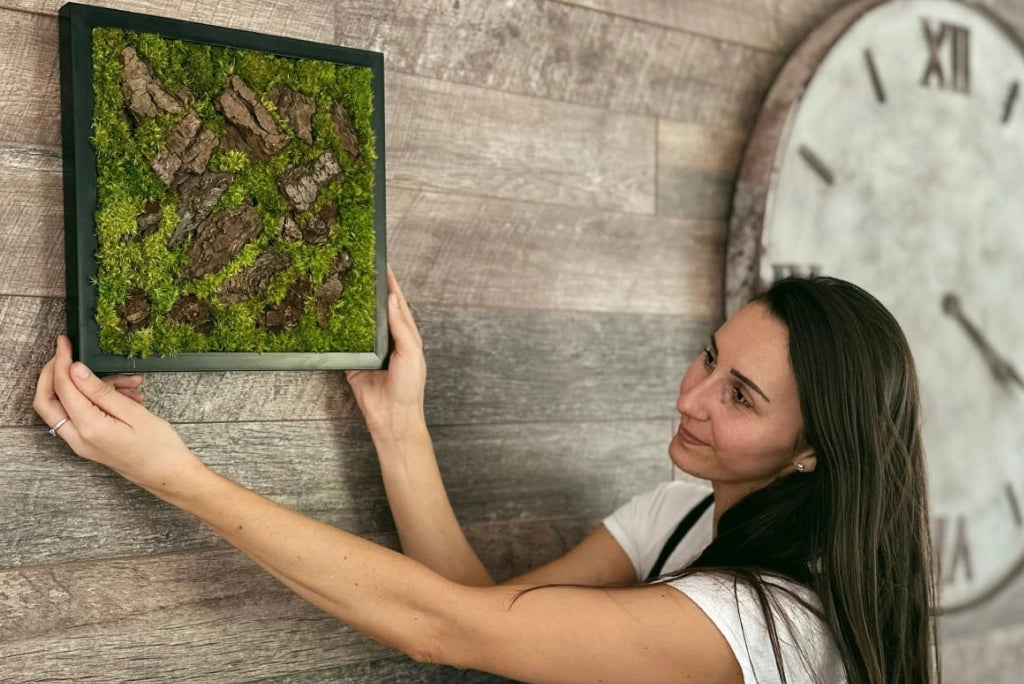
[806, 461]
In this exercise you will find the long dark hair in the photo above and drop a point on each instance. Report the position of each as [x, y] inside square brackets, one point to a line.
[855, 530]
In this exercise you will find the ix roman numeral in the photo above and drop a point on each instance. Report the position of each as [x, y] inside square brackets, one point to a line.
[951, 67]
[954, 555]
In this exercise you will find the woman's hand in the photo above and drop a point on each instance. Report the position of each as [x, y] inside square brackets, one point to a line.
[392, 400]
[106, 423]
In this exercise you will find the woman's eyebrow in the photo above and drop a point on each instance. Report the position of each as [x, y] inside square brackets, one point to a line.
[742, 378]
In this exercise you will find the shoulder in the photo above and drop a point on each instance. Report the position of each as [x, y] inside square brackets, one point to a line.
[807, 649]
[669, 499]
[643, 524]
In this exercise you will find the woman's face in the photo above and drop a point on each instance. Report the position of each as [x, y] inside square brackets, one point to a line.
[740, 418]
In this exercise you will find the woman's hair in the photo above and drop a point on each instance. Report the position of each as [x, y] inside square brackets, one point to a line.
[855, 529]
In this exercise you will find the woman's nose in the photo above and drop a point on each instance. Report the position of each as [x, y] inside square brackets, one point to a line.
[693, 398]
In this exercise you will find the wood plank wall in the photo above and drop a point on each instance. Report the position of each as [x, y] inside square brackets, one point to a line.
[559, 178]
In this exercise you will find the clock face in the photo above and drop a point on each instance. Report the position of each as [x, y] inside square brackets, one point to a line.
[901, 169]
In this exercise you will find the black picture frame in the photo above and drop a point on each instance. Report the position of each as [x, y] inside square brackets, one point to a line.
[75, 24]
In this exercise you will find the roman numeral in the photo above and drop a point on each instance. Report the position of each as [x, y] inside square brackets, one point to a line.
[1011, 497]
[1011, 100]
[952, 550]
[950, 68]
[876, 81]
[817, 165]
[780, 271]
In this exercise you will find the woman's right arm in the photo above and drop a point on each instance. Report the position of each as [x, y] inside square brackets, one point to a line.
[392, 404]
[429, 532]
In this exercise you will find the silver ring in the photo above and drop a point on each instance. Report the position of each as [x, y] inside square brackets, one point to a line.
[58, 426]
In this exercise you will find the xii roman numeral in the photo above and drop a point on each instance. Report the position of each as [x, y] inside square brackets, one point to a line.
[952, 550]
[780, 271]
[950, 67]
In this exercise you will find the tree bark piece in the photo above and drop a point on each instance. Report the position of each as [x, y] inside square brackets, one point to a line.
[220, 238]
[288, 312]
[191, 310]
[143, 95]
[346, 132]
[254, 279]
[187, 149]
[197, 196]
[250, 127]
[290, 228]
[135, 310]
[148, 222]
[320, 224]
[297, 108]
[332, 288]
[301, 184]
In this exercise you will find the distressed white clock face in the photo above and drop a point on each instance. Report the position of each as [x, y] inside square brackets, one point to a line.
[902, 170]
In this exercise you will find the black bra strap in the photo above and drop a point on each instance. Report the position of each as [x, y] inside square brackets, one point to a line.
[677, 536]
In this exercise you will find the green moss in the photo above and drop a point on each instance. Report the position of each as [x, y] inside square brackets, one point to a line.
[126, 184]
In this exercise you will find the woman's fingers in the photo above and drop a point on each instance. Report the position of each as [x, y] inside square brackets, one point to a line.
[400, 320]
[86, 398]
[128, 385]
[46, 403]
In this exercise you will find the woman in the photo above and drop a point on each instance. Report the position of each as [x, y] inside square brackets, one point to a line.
[811, 564]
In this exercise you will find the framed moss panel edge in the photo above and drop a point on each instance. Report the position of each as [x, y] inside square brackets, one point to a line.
[224, 203]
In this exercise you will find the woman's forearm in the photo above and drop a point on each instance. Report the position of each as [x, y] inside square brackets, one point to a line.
[427, 527]
[378, 591]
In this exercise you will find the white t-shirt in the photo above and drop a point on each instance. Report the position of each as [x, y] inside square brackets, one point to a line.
[644, 524]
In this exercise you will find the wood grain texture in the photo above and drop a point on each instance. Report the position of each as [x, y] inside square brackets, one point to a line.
[771, 25]
[443, 136]
[210, 616]
[388, 671]
[59, 508]
[502, 365]
[484, 251]
[31, 212]
[498, 253]
[558, 51]
[29, 79]
[291, 18]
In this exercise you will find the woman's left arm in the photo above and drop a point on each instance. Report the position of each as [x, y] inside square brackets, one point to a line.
[553, 634]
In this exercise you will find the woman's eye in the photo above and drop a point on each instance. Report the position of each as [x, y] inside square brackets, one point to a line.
[740, 398]
[709, 358]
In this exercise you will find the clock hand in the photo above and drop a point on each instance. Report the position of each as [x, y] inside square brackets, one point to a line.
[1002, 369]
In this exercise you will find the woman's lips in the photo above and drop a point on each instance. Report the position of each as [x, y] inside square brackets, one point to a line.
[688, 437]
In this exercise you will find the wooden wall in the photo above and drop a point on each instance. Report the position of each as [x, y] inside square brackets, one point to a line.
[559, 177]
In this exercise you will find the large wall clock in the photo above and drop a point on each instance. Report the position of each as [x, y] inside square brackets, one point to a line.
[890, 152]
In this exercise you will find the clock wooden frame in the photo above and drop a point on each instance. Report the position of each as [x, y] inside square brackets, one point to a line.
[771, 137]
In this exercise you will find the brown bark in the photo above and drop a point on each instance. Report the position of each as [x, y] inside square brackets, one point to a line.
[190, 310]
[320, 224]
[290, 228]
[147, 222]
[134, 312]
[254, 279]
[197, 196]
[301, 184]
[298, 109]
[220, 238]
[332, 288]
[346, 132]
[144, 97]
[250, 127]
[288, 312]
